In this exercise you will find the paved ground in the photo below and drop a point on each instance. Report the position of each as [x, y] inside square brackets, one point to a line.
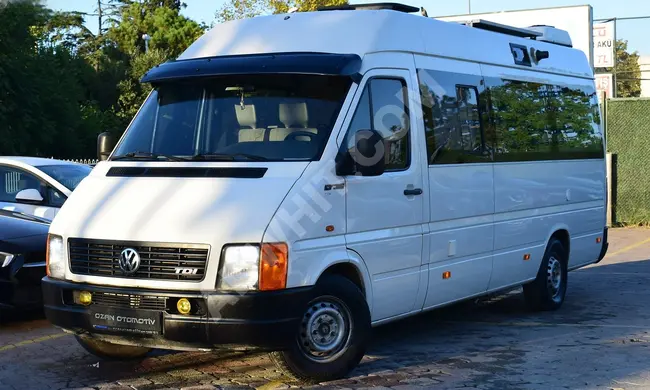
[598, 340]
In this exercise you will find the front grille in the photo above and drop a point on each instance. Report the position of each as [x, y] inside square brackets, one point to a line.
[182, 262]
[130, 301]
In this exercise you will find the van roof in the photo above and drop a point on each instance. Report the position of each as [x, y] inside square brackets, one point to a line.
[363, 32]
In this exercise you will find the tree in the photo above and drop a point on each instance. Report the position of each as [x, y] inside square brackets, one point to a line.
[40, 87]
[240, 9]
[61, 85]
[168, 29]
[628, 71]
[132, 92]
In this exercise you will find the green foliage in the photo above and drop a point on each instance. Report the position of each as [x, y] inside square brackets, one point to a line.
[132, 92]
[628, 71]
[628, 126]
[40, 90]
[168, 30]
[240, 9]
[61, 85]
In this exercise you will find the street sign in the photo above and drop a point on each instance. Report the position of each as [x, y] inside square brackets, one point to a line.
[605, 83]
[604, 44]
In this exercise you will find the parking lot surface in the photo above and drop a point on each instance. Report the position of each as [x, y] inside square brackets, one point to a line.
[598, 340]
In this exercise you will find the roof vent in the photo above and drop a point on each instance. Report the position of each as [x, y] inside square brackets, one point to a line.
[372, 6]
[554, 35]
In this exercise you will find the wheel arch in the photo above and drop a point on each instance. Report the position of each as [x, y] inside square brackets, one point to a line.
[354, 269]
[561, 233]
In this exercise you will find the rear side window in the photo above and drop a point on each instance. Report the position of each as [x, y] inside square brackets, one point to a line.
[534, 122]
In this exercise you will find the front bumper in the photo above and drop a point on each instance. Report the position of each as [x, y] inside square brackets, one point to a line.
[20, 285]
[265, 320]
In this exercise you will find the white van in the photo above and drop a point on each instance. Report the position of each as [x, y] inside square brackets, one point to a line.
[293, 180]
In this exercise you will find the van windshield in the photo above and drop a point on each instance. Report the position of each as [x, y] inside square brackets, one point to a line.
[266, 117]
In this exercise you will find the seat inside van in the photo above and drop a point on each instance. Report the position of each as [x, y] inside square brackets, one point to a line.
[294, 117]
[247, 119]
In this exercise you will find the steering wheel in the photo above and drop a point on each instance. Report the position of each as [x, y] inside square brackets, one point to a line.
[300, 133]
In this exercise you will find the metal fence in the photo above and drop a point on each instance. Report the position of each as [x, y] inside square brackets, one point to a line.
[88, 161]
[628, 139]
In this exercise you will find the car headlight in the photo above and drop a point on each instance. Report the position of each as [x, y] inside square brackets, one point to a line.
[55, 261]
[6, 259]
[239, 268]
[249, 267]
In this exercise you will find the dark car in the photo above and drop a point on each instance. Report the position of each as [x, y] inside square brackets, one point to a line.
[23, 241]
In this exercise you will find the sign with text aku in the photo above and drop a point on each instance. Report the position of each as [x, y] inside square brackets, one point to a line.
[605, 83]
[604, 44]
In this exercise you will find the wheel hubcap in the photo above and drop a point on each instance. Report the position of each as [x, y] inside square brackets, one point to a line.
[325, 330]
[554, 278]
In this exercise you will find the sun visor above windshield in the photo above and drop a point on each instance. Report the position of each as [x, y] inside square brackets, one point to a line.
[302, 63]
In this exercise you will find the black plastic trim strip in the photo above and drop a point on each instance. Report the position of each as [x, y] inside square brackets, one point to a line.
[229, 172]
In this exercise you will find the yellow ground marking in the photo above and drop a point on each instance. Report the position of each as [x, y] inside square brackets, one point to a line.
[32, 341]
[629, 247]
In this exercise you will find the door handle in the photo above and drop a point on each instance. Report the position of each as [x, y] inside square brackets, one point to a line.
[413, 191]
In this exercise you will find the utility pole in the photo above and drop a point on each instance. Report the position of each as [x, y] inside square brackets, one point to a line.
[99, 17]
[469, 6]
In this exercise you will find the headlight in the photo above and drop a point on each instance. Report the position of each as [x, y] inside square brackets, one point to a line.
[55, 261]
[5, 259]
[239, 268]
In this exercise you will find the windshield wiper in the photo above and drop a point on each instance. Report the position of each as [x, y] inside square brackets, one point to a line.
[227, 157]
[147, 156]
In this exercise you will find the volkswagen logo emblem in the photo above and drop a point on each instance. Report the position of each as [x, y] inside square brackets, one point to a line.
[129, 261]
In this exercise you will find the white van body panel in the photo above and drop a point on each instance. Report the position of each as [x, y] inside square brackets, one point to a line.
[168, 210]
[365, 31]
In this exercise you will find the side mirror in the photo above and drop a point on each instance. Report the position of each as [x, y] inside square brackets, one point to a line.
[30, 196]
[366, 158]
[105, 145]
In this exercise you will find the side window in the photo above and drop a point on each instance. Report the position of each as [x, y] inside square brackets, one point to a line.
[383, 107]
[54, 197]
[452, 118]
[536, 122]
[469, 124]
[12, 181]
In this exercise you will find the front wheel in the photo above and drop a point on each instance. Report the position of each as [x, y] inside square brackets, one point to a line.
[332, 336]
[110, 351]
[548, 290]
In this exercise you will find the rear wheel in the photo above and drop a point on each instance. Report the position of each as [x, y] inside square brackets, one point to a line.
[548, 290]
[110, 351]
[332, 336]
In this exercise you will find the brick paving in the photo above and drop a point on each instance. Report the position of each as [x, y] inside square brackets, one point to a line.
[599, 340]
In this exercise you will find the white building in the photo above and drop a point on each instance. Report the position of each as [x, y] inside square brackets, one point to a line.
[644, 64]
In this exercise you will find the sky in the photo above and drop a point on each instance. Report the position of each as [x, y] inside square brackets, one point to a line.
[635, 31]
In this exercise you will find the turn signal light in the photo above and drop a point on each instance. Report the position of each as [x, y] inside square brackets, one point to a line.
[184, 306]
[598, 240]
[274, 263]
[527, 256]
[446, 275]
[47, 256]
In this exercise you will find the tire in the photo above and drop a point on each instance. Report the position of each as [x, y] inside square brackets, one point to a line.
[339, 320]
[548, 290]
[110, 351]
